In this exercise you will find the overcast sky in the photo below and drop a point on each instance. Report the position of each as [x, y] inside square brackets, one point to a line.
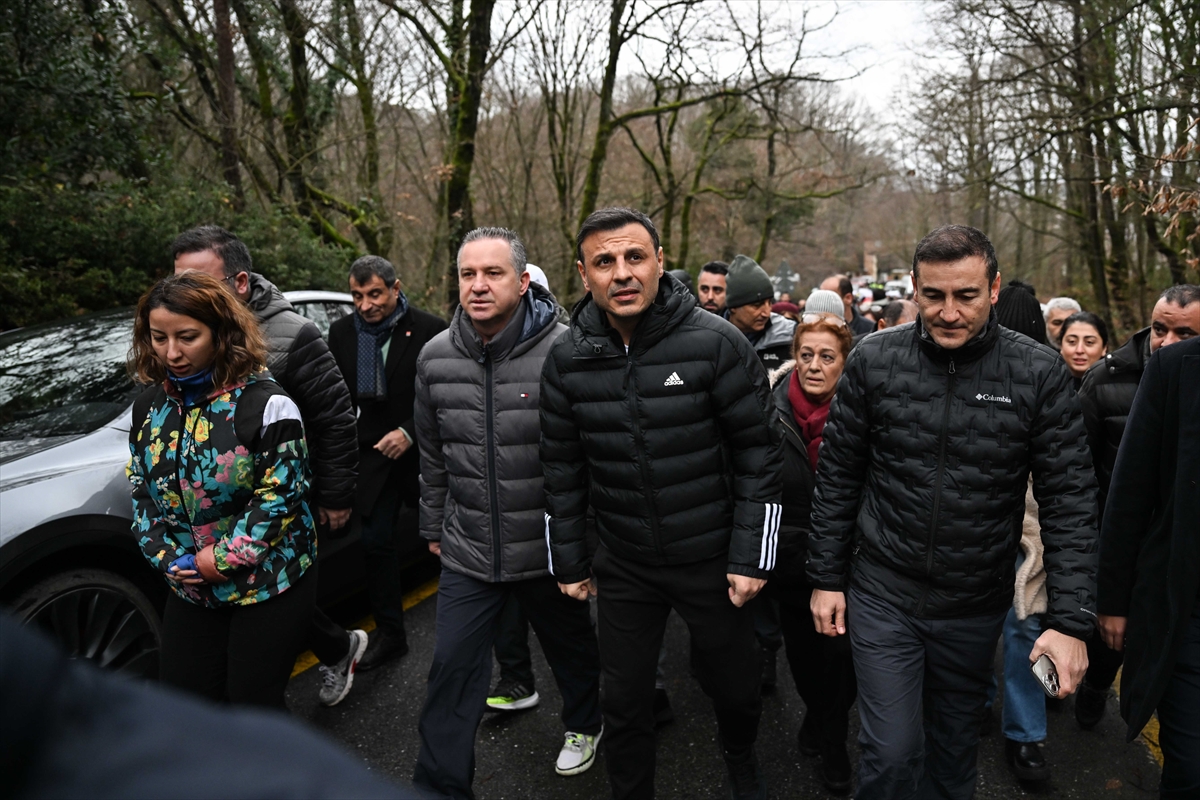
[891, 33]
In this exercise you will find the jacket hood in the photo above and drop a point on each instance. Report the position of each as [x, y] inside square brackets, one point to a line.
[973, 350]
[595, 338]
[1131, 356]
[779, 331]
[534, 318]
[779, 373]
[265, 298]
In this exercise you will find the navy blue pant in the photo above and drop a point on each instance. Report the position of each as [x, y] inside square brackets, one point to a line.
[468, 615]
[1179, 720]
[922, 685]
[512, 645]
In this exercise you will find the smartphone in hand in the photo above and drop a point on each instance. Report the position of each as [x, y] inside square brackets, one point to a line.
[1047, 675]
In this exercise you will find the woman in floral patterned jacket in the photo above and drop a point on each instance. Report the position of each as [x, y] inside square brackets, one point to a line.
[220, 477]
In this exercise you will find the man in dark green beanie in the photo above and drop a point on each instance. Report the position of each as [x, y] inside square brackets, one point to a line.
[749, 294]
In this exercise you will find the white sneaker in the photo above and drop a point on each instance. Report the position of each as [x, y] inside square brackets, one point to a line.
[338, 679]
[578, 753]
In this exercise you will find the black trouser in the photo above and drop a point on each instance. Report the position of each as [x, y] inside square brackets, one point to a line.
[1103, 663]
[328, 641]
[512, 645]
[821, 667]
[468, 611]
[382, 552]
[768, 628]
[922, 685]
[1179, 719]
[634, 601]
[243, 654]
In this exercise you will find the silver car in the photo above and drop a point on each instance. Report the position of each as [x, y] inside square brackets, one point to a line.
[68, 561]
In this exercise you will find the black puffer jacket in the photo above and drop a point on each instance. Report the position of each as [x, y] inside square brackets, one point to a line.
[477, 422]
[671, 443]
[798, 485]
[301, 363]
[924, 465]
[1107, 394]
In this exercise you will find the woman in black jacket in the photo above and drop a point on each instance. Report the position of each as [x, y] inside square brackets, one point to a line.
[803, 389]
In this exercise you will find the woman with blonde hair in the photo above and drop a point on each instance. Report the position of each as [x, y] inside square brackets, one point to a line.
[220, 476]
[803, 389]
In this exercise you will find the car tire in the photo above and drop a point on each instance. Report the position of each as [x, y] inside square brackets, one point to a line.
[96, 615]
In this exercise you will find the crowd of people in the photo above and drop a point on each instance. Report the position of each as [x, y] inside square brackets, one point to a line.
[883, 495]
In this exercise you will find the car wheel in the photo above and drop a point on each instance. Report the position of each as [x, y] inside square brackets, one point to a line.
[97, 615]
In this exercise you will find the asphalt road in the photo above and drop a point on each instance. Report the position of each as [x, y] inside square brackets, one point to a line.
[515, 753]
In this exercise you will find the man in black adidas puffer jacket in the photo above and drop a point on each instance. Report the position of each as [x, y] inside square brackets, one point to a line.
[931, 437]
[656, 414]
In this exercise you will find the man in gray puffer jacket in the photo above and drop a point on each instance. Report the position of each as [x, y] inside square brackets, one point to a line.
[483, 512]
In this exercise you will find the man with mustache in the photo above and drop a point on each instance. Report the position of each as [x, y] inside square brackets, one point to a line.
[656, 415]
[916, 521]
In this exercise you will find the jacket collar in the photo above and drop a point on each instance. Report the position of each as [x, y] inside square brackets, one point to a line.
[594, 337]
[535, 317]
[1131, 356]
[173, 392]
[779, 331]
[265, 298]
[972, 351]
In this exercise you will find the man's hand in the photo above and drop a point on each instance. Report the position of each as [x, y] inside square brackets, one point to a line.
[436, 548]
[394, 444]
[743, 588]
[1069, 656]
[333, 517]
[828, 612]
[1112, 631]
[579, 591]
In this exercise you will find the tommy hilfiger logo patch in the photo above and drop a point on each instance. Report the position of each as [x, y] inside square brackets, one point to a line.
[674, 380]
[994, 398]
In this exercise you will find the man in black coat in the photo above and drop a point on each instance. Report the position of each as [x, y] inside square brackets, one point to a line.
[376, 349]
[1150, 563]
[300, 361]
[656, 414]
[1107, 393]
[931, 438]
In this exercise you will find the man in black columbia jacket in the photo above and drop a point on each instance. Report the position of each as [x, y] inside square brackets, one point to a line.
[656, 414]
[931, 437]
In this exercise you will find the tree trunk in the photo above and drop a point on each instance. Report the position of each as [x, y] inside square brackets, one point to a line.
[227, 117]
[465, 122]
[604, 125]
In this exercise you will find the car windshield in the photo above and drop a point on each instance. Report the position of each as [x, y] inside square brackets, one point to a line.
[65, 378]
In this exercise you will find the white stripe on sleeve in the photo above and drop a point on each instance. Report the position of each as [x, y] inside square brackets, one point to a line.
[549, 552]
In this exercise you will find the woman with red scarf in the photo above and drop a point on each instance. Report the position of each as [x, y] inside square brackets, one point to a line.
[803, 389]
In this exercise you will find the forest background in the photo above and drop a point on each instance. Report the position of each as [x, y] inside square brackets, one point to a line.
[1068, 130]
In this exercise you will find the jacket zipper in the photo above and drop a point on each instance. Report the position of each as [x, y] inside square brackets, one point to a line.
[937, 489]
[493, 493]
[179, 473]
[631, 392]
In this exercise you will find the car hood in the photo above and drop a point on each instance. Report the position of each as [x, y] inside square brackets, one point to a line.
[12, 449]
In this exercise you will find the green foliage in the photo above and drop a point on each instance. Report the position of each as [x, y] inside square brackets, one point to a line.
[66, 251]
[64, 113]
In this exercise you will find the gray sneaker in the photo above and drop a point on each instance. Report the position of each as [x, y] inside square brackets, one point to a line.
[337, 680]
